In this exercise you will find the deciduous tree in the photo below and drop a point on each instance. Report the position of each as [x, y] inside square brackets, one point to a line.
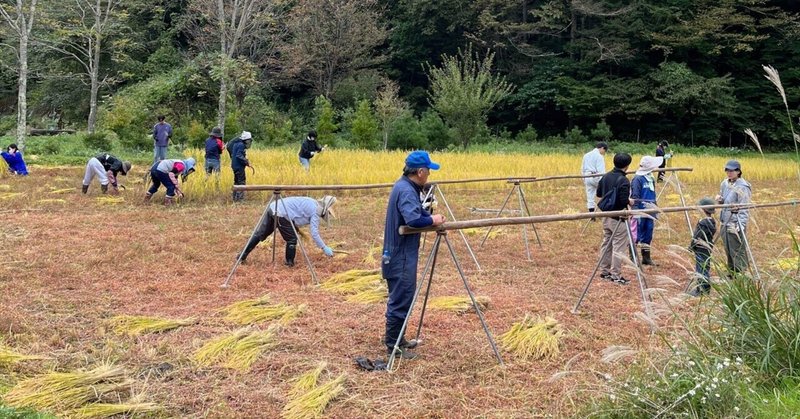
[19, 21]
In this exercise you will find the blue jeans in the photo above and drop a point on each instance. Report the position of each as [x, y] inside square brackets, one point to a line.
[306, 163]
[644, 233]
[160, 153]
[212, 165]
[158, 177]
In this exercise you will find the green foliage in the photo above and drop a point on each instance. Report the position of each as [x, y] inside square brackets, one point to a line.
[575, 136]
[364, 126]
[464, 90]
[267, 123]
[323, 115]
[601, 132]
[196, 134]
[12, 413]
[407, 133]
[528, 135]
[98, 141]
[437, 134]
[8, 124]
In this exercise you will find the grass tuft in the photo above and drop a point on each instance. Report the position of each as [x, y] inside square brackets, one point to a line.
[139, 325]
[533, 338]
[458, 304]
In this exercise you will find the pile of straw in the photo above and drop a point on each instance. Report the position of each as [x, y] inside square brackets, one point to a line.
[258, 310]
[458, 304]
[238, 350]
[9, 357]
[378, 294]
[353, 281]
[78, 394]
[308, 399]
[533, 338]
[475, 231]
[139, 325]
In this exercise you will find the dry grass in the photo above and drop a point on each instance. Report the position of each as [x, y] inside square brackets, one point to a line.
[9, 357]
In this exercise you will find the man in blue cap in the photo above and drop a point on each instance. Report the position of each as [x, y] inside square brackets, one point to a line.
[401, 253]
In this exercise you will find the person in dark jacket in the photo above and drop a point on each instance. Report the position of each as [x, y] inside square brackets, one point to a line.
[661, 151]
[13, 157]
[308, 149]
[166, 172]
[106, 167]
[162, 132]
[702, 244]
[214, 147]
[237, 148]
[614, 185]
[401, 253]
[643, 194]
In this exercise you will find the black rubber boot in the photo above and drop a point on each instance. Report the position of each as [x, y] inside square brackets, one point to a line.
[592, 219]
[85, 188]
[646, 258]
[251, 244]
[103, 188]
[392, 331]
[291, 251]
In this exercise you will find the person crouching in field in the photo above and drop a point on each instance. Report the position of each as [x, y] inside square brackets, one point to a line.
[13, 157]
[643, 194]
[702, 245]
[401, 252]
[166, 172]
[299, 210]
[614, 193]
[106, 168]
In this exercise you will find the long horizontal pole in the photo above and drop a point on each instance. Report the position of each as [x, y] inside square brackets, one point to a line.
[537, 219]
[543, 178]
[366, 186]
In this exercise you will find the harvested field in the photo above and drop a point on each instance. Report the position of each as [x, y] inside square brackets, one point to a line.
[68, 267]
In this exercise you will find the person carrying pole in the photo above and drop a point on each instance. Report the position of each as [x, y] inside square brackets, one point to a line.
[593, 163]
[237, 148]
[166, 172]
[106, 167]
[401, 252]
[643, 195]
[299, 210]
[309, 149]
[733, 222]
[614, 193]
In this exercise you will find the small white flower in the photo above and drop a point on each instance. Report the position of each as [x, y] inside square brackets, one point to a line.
[735, 408]
[716, 380]
[674, 375]
[703, 400]
[691, 363]
[738, 360]
[716, 395]
[612, 397]
[692, 392]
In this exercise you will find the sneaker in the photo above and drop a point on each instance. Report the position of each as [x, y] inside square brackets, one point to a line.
[606, 276]
[401, 353]
[289, 263]
[620, 280]
[408, 344]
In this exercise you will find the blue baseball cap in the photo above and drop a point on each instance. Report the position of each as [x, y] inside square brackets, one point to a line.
[420, 158]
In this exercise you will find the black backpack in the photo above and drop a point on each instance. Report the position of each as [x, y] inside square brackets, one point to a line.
[609, 199]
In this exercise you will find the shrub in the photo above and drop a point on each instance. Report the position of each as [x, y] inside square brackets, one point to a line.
[601, 132]
[364, 126]
[323, 115]
[98, 141]
[575, 136]
[528, 135]
[406, 133]
[438, 136]
[8, 124]
[196, 134]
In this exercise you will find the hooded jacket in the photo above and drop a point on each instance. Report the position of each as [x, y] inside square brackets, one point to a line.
[238, 152]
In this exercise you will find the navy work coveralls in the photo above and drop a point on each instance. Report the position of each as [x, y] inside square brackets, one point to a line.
[401, 253]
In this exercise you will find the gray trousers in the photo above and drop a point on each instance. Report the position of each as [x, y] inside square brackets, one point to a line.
[614, 244]
[735, 248]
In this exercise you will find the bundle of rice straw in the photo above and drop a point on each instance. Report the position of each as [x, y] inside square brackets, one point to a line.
[51, 201]
[308, 399]
[257, 310]
[65, 190]
[9, 357]
[110, 200]
[107, 410]
[238, 350]
[475, 231]
[458, 304]
[139, 325]
[533, 338]
[59, 392]
[352, 282]
[377, 294]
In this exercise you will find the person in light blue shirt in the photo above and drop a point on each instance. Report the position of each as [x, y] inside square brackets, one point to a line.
[594, 163]
[299, 210]
[401, 252]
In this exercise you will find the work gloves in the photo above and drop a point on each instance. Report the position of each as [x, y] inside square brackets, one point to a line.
[328, 251]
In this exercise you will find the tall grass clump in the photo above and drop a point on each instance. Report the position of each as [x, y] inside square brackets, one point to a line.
[773, 76]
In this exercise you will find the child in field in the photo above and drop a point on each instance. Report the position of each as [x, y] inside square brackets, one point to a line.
[13, 157]
[702, 245]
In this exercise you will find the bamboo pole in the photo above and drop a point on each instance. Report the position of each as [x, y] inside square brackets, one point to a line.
[537, 219]
[365, 186]
[558, 177]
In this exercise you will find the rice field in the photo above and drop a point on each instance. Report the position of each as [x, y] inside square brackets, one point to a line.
[133, 290]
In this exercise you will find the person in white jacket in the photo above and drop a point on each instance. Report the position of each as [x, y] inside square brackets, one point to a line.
[593, 164]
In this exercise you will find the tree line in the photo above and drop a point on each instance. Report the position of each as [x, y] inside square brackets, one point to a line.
[406, 73]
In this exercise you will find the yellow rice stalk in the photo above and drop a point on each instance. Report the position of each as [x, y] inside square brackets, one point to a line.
[370, 257]
[378, 294]
[245, 314]
[306, 382]
[138, 325]
[110, 200]
[107, 410]
[218, 348]
[788, 264]
[533, 338]
[51, 201]
[355, 286]
[349, 276]
[59, 391]
[260, 301]
[8, 357]
[9, 195]
[458, 304]
[5, 187]
[65, 190]
[247, 350]
[313, 403]
[475, 231]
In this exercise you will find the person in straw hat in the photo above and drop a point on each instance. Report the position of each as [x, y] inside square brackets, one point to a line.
[214, 147]
[643, 194]
[106, 167]
[299, 210]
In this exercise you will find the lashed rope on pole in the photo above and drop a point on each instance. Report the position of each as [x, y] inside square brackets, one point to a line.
[538, 219]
